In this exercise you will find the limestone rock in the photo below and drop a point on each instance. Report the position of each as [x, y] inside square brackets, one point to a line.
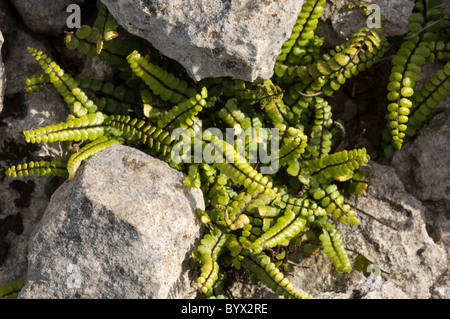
[345, 22]
[213, 38]
[2, 74]
[423, 165]
[123, 228]
[45, 16]
[412, 264]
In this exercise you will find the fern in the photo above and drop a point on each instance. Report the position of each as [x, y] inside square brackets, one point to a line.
[41, 168]
[36, 83]
[78, 102]
[12, 289]
[138, 130]
[162, 83]
[407, 64]
[270, 275]
[338, 166]
[185, 112]
[333, 202]
[86, 127]
[253, 221]
[207, 253]
[425, 101]
[333, 246]
[286, 228]
[96, 41]
[297, 47]
[86, 152]
[320, 143]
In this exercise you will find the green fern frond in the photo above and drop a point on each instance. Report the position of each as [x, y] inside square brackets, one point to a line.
[333, 246]
[294, 49]
[286, 227]
[37, 82]
[363, 50]
[87, 151]
[40, 168]
[85, 127]
[412, 54]
[12, 289]
[333, 202]
[184, 113]
[239, 170]
[426, 100]
[439, 50]
[320, 142]
[271, 97]
[338, 166]
[328, 74]
[268, 274]
[142, 132]
[233, 116]
[162, 83]
[207, 253]
[302, 207]
[78, 102]
[357, 185]
[294, 145]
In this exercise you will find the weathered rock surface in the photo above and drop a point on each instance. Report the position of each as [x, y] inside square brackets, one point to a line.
[22, 202]
[423, 165]
[344, 22]
[123, 228]
[2, 74]
[45, 16]
[213, 38]
[412, 264]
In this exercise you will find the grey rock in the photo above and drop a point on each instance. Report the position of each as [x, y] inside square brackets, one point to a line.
[213, 38]
[2, 74]
[95, 68]
[345, 22]
[125, 227]
[42, 109]
[44, 16]
[423, 165]
[412, 264]
[384, 290]
[19, 62]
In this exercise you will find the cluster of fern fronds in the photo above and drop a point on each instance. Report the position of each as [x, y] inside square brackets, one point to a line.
[258, 212]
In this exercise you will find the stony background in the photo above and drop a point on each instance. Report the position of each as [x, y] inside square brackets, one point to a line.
[408, 191]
